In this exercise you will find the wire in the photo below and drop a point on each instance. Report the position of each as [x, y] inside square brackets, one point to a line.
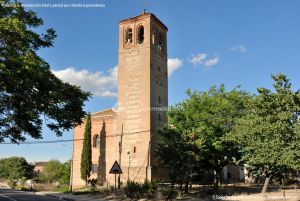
[60, 141]
[113, 135]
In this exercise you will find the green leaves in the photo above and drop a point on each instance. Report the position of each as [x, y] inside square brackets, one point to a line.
[268, 134]
[55, 171]
[15, 169]
[195, 137]
[30, 93]
[86, 155]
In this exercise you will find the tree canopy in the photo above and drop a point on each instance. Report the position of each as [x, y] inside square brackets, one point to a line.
[30, 93]
[55, 171]
[197, 127]
[15, 169]
[179, 154]
[269, 135]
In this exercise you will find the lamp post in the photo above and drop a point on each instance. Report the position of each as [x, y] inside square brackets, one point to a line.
[120, 154]
[128, 164]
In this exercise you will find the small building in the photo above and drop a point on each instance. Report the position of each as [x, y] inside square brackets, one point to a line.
[39, 166]
[233, 173]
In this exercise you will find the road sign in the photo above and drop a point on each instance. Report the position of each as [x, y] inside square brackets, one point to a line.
[115, 169]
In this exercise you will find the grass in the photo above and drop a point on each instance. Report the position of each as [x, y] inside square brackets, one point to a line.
[85, 191]
[64, 189]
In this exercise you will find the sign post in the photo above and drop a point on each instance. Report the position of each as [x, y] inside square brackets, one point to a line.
[115, 169]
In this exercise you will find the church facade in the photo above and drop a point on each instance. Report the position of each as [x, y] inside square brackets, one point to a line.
[129, 134]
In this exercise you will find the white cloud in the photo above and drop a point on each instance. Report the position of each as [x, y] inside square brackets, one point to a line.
[98, 83]
[240, 48]
[204, 59]
[173, 65]
[102, 84]
[212, 61]
[198, 58]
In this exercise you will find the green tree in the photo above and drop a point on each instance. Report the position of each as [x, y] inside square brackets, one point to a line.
[212, 115]
[52, 172]
[15, 169]
[201, 122]
[179, 153]
[28, 88]
[86, 155]
[55, 171]
[269, 134]
[66, 172]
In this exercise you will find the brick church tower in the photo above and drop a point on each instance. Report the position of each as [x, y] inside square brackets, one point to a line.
[142, 93]
[129, 135]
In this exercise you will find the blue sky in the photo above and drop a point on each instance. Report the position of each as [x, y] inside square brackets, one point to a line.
[209, 42]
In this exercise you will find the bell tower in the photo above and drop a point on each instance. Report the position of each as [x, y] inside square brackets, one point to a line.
[142, 94]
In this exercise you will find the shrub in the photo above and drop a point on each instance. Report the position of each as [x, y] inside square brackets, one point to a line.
[133, 189]
[22, 188]
[64, 189]
[93, 183]
[12, 183]
[170, 193]
[139, 190]
[55, 171]
[106, 191]
[149, 188]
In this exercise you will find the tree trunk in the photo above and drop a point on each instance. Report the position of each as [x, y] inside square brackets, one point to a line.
[186, 186]
[265, 187]
[216, 183]
[283, 188]
[180, 185]
[217, 179]
[87, 181]
[186, 182]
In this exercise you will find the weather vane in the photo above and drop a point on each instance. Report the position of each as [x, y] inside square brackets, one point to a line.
[145, 6]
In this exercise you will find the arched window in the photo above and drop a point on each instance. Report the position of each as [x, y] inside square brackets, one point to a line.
[140, 35]
[160, 41]
[128, 36]
[153, 38]
[96, 141]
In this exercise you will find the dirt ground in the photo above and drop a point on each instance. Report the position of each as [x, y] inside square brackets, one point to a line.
[246, 193]
[291, 195]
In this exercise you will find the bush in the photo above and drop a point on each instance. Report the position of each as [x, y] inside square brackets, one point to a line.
[170, 193]
[149, 189]
[64, 189]
[93, 184]
[106, 191]
[22, 188]
[12, 183]
[55, 171]
[139, 190]
[133, 189]
[15, 169]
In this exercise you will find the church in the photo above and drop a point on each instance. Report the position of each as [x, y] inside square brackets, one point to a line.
[129, 134]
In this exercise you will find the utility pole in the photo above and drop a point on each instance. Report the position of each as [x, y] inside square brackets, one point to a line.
[128, 179]
[71, 173]
[120, 153]
[148, 168]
